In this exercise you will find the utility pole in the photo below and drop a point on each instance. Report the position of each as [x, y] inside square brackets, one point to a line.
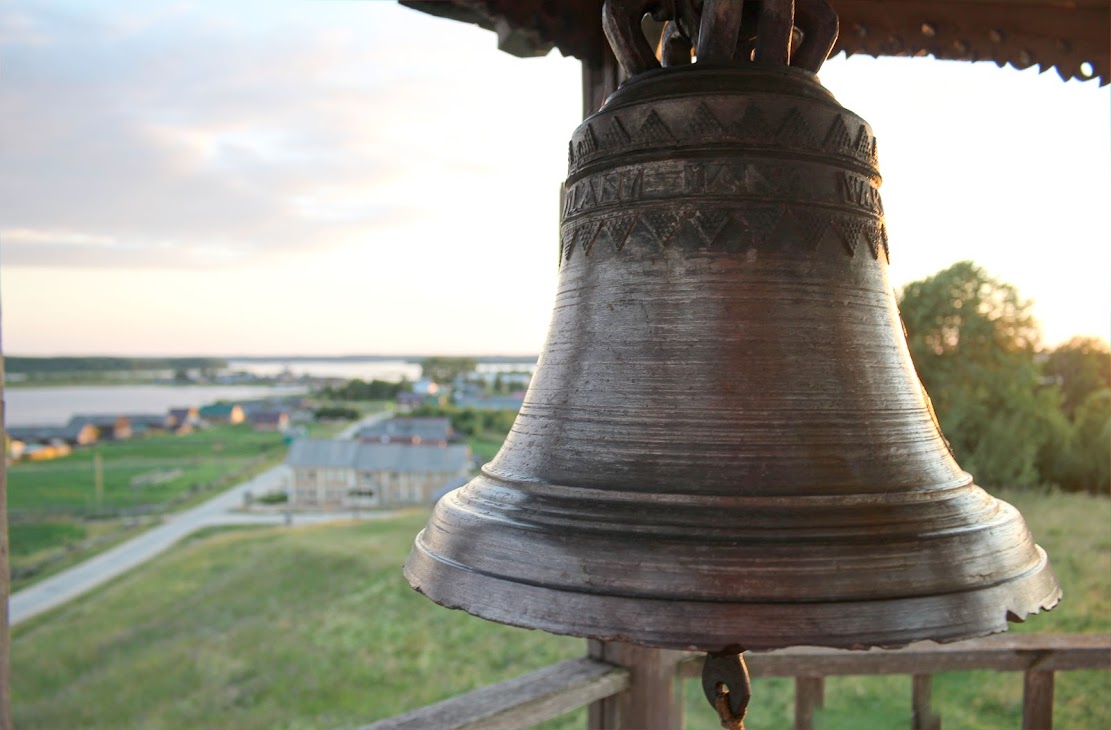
[98, 480]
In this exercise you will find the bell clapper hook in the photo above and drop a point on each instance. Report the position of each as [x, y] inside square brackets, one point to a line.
[727, 686]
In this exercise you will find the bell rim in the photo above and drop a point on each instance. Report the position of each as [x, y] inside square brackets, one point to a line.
[670, 624]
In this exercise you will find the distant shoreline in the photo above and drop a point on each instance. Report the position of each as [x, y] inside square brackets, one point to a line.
[118, 383]
[280, 358]
[413, 359]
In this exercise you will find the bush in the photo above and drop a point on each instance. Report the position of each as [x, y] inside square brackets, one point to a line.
[335, 413]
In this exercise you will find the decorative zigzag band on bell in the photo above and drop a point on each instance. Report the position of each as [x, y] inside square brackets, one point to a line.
[725, 443]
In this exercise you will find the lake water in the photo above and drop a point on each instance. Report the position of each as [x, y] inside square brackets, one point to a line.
[389, 370]
[54, 406]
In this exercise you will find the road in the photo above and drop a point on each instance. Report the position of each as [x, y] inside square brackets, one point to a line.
[220, 510]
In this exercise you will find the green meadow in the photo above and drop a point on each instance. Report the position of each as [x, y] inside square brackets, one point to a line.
[315, 628]
[148, 471]
[58, 516]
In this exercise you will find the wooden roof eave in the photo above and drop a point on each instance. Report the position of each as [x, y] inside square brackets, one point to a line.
[1071, 36]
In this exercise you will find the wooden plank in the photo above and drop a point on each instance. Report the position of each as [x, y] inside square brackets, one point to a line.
[1037, 701]
[809, 696]
[1002, 652]
[653, 699]
[923, 716]
[5, 583]
[518, 703]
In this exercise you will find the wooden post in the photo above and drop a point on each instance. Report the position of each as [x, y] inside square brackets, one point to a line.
[5, 585]
[923, 716]
[1037, 700]
[653, 700]
[809, 696]
[600, 79]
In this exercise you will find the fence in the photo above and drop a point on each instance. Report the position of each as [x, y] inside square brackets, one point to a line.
[627, 687]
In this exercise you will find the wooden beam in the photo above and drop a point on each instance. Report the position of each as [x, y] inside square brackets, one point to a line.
[1002, 652]
[518, 703]
[600, 80]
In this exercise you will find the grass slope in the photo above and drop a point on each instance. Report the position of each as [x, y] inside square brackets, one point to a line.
[302, 628]
[315, 628]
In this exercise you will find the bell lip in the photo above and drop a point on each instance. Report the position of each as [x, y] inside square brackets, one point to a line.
[667, 624]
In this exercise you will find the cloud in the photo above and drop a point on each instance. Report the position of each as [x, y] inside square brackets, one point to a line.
[171, 137]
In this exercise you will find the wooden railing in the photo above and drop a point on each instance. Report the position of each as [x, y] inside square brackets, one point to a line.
[627, 687]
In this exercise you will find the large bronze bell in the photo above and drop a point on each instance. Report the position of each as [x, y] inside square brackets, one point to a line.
[725, 443]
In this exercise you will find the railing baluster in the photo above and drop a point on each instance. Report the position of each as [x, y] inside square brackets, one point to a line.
[923, 717]
[809, 696]
[1037, 700]
[627, 686]
[652, 700]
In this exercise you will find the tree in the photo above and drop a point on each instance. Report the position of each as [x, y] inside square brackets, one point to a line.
[445, 369]
[1081, 367]
[973, 341]
[1090, 465]
[357, 389]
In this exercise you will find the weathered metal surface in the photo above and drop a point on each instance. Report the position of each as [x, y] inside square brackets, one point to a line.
[1044, 33]
[725, 443]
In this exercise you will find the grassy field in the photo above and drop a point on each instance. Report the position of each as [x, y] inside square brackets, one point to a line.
[485, 447]
[57, 519]
[316, 628]
[140, 472]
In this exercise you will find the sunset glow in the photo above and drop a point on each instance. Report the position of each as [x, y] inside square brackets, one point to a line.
[340, 177]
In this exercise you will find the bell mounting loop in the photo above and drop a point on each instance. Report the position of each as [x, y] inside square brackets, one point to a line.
[798, 33]
[727, 686]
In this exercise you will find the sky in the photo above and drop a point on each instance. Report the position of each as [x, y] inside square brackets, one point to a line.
[325, 177]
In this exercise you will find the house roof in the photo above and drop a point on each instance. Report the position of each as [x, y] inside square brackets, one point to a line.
[100, 420]
[147, 419]
[268, 416]
[362, 456]
[405, 457]
[45, 433]
[426, 429]
[492, 403]
[1023, 33]
[218, 409]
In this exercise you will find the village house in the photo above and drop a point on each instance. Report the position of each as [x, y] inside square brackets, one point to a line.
[345, 474]
[407, 401]
[222, 413]
[43, 452]
[109, 426]
[72, 435]
[142, 423]
[424, 431]
[183, 420]
[268, 420]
